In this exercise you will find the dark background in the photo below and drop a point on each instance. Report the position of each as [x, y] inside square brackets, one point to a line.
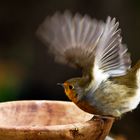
[27, 71]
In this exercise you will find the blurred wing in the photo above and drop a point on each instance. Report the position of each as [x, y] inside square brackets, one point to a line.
[72, 39]
[111, 57]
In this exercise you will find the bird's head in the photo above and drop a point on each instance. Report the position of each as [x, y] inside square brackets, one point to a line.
[73, 89]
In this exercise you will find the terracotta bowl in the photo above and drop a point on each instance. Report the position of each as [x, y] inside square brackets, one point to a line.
[50, 120]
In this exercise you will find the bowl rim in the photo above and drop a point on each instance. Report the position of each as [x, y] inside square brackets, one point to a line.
[47, 127]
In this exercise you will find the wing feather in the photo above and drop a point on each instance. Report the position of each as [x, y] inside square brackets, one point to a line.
[72, 39]
[82, 41]
[111, 56]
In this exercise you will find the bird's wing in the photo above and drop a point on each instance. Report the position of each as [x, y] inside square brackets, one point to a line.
[111, 56]
[72, 39]
[82, 41]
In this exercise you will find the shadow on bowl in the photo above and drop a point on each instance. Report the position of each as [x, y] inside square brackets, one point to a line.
[50, 120]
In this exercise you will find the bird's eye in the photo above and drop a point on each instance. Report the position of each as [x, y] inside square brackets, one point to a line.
[71, 87]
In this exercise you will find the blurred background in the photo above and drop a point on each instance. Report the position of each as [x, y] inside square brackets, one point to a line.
[27, 71]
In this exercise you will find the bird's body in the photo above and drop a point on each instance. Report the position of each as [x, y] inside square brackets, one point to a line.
[108, 86]
[113, 97]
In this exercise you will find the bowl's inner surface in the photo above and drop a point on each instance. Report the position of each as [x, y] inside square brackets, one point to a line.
[40, 113]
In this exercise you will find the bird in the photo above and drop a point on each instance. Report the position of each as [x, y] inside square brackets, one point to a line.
[109, 86]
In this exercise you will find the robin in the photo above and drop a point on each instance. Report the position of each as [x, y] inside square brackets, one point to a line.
[108, 86]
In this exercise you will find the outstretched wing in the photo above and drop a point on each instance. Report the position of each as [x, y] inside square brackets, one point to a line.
[72, 39]
[111, 56]
[82, 41]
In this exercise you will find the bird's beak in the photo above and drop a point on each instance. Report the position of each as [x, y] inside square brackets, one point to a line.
[60, 84]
